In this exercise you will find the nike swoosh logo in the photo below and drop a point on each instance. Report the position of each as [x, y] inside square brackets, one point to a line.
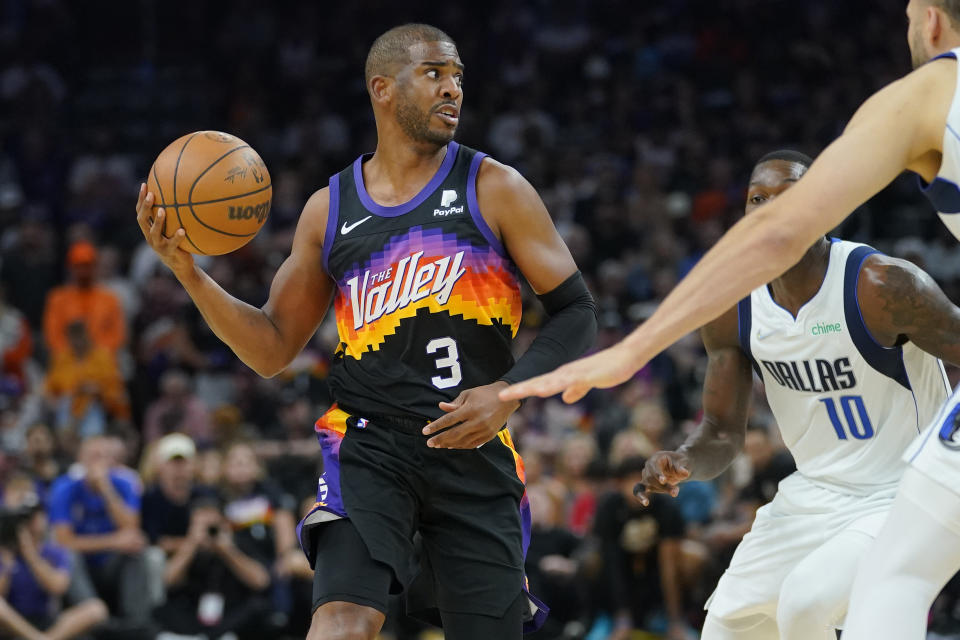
[764, 336]
[347, 228]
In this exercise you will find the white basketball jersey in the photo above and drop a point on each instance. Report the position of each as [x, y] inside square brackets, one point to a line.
[944, 191]
[847, 406]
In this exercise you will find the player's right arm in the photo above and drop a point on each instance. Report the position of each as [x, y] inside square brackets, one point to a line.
[265, 339]
[720, 435]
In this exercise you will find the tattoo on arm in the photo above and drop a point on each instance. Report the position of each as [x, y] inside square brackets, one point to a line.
[901, 302]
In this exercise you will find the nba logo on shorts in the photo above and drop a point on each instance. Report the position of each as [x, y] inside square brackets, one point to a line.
[362, 423]
[448, 197]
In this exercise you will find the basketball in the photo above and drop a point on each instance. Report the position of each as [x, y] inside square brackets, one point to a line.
[215, 186]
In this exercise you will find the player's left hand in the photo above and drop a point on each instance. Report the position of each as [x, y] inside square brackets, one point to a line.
[606, 368]
[473, 418]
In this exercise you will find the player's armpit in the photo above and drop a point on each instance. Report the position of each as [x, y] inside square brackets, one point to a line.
[900, 301]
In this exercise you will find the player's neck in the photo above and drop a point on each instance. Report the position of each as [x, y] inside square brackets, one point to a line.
[397, 172]
[797, 286]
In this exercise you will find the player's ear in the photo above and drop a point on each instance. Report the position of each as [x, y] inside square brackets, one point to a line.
[381, 89]
[934, 24]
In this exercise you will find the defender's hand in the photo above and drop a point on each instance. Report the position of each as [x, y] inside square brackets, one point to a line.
[472, 419]
[603, 369]
[662, 473]
[178, 260]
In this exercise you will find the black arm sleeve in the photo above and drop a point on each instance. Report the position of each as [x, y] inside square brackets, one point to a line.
[569, 331]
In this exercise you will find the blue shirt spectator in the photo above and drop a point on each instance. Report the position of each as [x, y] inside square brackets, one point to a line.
[72, 501]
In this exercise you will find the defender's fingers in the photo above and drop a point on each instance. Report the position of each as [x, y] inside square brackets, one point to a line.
[575, 392]
[544, 386]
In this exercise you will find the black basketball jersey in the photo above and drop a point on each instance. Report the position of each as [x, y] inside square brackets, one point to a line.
[428, 300]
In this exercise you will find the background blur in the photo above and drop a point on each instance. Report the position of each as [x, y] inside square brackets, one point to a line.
[638, 123]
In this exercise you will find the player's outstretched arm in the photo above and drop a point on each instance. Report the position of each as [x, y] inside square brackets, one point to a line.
[899, 301]
[896, 129]
[266, 339]
[720, 435]
[517, 216]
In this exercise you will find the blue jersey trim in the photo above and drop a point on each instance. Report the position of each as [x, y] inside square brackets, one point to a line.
[333, 216]
[942, 193]
[886, 360]
[948, 54]
[474, 208]
[413, 203]
[744, 326]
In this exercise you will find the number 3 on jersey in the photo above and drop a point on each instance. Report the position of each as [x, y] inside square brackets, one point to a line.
[450, 361]
[858, 425]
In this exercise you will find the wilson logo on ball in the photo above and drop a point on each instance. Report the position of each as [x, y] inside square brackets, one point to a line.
[259, 212]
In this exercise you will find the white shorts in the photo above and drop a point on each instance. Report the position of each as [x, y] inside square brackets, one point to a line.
[801, 518]
[936, 454]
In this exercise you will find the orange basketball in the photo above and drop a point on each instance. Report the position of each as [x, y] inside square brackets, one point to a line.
[215, 186]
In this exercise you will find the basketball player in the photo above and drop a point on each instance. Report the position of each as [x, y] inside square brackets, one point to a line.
[913, 124]
[837, 341]
[421, 244]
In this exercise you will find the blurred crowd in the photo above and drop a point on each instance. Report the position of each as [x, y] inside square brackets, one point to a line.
[151, 483]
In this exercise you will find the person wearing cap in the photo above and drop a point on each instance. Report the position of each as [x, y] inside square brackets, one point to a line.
[165, 510]
[83, 299]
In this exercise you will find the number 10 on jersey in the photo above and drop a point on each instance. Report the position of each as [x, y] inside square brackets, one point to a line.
[856, 423]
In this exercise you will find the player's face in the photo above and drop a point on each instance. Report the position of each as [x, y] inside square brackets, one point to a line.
[916, 17]
[430, 92]
[770, 179]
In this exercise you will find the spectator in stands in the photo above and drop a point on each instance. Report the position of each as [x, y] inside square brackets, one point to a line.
[39, 458]
[86, 301]
[216, 580]
[35, 574]
[261, 515]
[84, 385]
[166, 504]
[641, 552]
[16, 346]
[553, 565]
[255, 506]
[288, 447]
[30, 268]
[768, 466]
[177, 409]
[95, 512]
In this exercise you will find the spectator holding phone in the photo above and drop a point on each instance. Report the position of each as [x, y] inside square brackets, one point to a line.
[216, 583]
[35, 574]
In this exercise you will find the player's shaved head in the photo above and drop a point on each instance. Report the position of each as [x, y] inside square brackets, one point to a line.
[789, 156]
[392, 49]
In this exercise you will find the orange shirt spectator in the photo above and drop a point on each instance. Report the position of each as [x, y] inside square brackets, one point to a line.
[83, 299]
[87, 374]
